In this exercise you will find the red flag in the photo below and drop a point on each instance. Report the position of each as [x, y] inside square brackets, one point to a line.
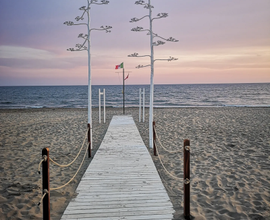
[126, 77]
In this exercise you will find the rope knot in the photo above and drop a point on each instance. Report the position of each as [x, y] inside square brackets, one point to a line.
[45, 192]
[44, 159]
[187, 148]
[187, 181]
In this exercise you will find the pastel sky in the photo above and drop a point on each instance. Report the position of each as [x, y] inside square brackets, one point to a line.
[220, 41]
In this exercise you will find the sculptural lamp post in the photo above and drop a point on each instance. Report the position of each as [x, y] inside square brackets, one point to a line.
[81, 47]
[152, 60]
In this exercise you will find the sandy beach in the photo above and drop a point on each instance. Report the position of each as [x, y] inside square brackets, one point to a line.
[230, 158]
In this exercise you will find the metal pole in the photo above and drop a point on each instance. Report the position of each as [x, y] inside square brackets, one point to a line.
[143, 103]
[99, 108]
[151, 82]
[186, 178]
[140, 94]
[104, 106]
[46, 184]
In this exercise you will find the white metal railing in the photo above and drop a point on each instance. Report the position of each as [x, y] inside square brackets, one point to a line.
[99, 105]
[141, 99]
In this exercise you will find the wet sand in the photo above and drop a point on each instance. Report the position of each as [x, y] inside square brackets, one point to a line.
[230, 158]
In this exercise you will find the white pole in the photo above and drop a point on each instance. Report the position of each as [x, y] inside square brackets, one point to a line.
[104, 106]
[151, 82]
[89, 80]
[140, 94]
[143, 103]
[99, 108]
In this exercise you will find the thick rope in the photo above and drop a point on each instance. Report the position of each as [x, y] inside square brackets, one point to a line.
[61, 165]
[172, 152]
[73, 176]
[44, 194]
[173, 176]
[39, 165]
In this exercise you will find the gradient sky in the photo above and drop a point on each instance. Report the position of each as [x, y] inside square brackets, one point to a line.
[225, 41]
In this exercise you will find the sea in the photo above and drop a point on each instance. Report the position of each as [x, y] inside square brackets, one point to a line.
[165, 96]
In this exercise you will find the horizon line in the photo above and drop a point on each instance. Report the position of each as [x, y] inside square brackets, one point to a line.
[140, 84]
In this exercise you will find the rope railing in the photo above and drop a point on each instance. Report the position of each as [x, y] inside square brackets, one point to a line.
[169, 151]
[156, 152]
[46, 179]
[67, 165]
[186, 173]
[171, 175]
[60, 187]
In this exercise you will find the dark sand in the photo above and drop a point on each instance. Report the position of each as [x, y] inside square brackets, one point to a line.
[230, 158]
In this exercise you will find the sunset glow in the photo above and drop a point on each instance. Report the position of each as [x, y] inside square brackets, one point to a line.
[219, 42]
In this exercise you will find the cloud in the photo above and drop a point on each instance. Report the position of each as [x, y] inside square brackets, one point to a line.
[228, 58]
[31, 58]
[13, 52]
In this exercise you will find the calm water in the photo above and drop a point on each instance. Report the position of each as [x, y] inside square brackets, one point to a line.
[240, 95]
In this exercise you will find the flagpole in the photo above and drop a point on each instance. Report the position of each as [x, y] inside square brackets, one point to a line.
[123, 90]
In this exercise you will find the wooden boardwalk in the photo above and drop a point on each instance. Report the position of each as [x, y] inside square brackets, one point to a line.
[121, 182]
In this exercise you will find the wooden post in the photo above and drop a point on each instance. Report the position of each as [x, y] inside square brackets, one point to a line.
[154, 138]
[89, 140]
[187, 179]
[46, 184]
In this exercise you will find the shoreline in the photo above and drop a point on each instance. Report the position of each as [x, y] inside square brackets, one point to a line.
[136, 107]
[229, 158]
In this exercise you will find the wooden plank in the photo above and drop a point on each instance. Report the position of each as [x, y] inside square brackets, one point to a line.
[145, 217]
[120, 214]
[114, 201]
[121, 182]
[121, 196]
[109, 205]
[126, 190]
[114, 211]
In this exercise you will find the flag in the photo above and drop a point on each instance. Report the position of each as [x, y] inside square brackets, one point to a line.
[119, 66]
[126, 77]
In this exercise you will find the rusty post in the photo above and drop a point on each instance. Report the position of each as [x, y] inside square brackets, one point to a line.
[154, 138]
[89, 140]
[187, 179]
[46, 184]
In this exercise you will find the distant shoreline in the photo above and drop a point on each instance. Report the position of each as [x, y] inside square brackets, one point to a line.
[140, 84]
[119, 108]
